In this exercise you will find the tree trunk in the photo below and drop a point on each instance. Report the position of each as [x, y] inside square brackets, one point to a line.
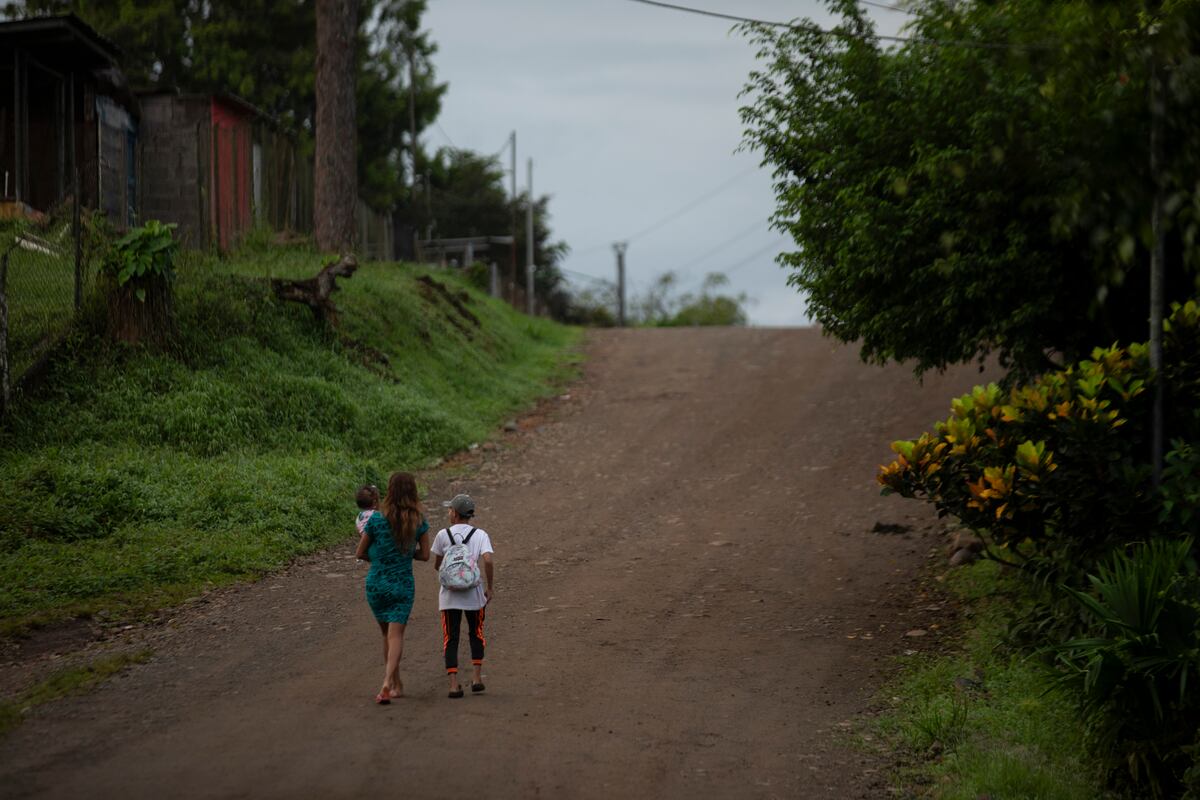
[140, 312]
[335, 184]
[315, 292]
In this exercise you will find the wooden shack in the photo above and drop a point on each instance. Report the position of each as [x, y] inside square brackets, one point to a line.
[67, 120]
[217, 166]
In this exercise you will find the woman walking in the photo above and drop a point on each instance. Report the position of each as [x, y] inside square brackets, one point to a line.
[391, 540]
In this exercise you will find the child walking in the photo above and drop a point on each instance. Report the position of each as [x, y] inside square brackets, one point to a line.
[471, 603]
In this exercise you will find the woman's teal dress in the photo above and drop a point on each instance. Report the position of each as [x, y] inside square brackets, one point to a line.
[390, 587]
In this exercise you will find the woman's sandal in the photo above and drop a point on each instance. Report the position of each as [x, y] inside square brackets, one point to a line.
[383, 698]
[456, 693]
[477, 687]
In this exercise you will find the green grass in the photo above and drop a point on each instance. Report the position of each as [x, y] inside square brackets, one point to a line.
[1003, 732]
[66, 682]
[134, 478]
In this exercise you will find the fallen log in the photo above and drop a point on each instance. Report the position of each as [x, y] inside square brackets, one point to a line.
[315, 292]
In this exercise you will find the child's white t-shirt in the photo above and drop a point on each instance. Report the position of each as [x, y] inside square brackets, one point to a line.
[471, 599]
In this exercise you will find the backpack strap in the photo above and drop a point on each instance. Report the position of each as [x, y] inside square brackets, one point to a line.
[469, 535]
[450, 536]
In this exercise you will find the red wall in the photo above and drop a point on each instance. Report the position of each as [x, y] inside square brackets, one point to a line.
[231, 179]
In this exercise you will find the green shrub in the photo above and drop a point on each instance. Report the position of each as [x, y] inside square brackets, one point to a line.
[1180, 489]
[1138, 674]
[1051, 473]
[146, 251]
[1055, 473]
[479, 275]
[710, 310]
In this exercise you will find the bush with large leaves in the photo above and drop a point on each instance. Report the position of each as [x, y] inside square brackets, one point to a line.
[1054, 473]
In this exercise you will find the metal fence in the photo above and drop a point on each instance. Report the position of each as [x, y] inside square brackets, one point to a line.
[45, 270]
[375, 237]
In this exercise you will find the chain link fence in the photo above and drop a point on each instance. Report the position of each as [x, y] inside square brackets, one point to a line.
[45, 271]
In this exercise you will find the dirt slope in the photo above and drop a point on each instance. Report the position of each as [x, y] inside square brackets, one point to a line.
[684, 548]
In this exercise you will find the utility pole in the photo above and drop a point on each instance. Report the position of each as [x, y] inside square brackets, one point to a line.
[529, 308]
[512, 278]
[620, 248]
[412, 128]
[1157, 271]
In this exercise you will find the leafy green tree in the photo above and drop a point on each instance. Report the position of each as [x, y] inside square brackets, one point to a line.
[592, 306]
[548, 281]
[468, 198]
[989, 194]
[710, 307]
[260, 50]
[153, 34]
[660, 306]
[391, 30]
[467, 195]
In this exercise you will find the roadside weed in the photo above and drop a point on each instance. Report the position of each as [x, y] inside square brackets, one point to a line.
[981, 721]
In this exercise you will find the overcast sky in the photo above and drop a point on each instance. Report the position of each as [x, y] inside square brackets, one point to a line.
[630, 114]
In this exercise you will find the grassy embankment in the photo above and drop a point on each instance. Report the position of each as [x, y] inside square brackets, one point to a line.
[133, 479]
[980, 721]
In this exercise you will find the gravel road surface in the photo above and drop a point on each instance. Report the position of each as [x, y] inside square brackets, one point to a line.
[692, 600]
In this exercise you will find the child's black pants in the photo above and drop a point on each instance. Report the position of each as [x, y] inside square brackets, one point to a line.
[451, 619]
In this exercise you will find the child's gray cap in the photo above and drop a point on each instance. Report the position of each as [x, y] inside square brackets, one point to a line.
[462, 503]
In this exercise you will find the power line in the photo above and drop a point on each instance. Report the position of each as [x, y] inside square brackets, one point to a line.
[591, 249]
[695, 203]
[670, 217]
[757, 225]
[504, 147]
[887, 7]
[445, 135]
[566, 271]
[745, 262]
[847, 34]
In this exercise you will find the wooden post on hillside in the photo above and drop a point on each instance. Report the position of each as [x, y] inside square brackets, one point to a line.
[315, 292]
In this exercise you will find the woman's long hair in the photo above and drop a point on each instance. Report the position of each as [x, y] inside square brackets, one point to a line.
[402, 507]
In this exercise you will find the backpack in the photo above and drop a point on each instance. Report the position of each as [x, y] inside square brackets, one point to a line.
[459, 571]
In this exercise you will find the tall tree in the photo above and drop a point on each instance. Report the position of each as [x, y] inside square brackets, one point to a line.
[984, 188]
[469, 198]
[152, 35]
[260, 50]
[392, 48]
[335, 172]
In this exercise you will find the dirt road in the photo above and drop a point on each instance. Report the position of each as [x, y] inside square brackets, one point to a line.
[684, 551]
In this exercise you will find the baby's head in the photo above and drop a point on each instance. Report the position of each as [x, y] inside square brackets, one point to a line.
[367, 496]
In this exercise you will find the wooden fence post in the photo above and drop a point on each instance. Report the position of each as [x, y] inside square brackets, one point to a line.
[77, 232]
[4, 382]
